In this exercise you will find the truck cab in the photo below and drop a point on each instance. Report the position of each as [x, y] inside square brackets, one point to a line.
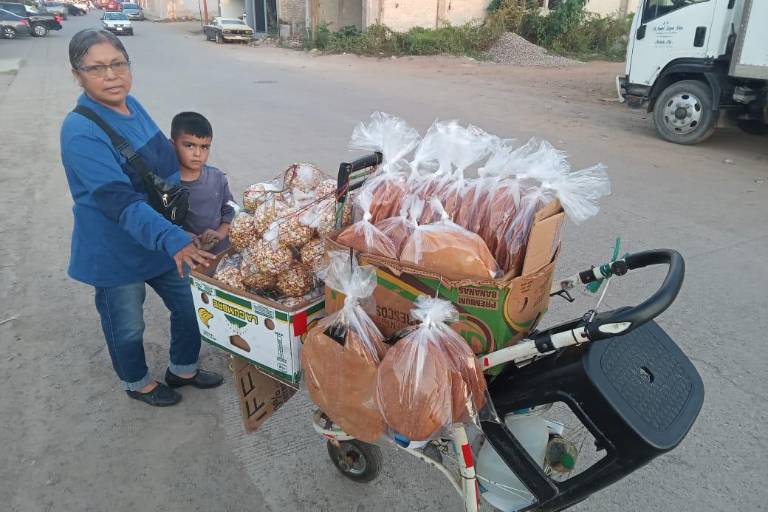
[688, 61]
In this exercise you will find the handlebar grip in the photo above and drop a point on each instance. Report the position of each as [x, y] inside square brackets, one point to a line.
[621, 321]
[343, 185]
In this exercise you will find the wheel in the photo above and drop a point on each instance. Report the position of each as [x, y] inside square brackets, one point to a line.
[752, 126]
[683, 113]
[130, 33]
[9, 33]
[356, 460]
[219, 38]
[39, 30]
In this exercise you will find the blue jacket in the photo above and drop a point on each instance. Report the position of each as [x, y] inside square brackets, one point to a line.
[117, 237]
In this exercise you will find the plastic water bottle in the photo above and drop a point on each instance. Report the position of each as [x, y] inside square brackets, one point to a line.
[498, 484]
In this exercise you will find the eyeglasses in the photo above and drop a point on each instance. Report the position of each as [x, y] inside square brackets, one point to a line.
[100, 70]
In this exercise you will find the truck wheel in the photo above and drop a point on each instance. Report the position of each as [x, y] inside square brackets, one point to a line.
[683, 113]
[39, 30]
[752, 126]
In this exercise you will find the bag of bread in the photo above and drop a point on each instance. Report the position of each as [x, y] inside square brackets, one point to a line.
[579, 193]
[342, 353]
[395, 139]
[399, 229]
[447, 249]
[429, 379]
[363, 236]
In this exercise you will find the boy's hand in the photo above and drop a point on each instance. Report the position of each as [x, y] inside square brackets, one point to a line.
[208, 239]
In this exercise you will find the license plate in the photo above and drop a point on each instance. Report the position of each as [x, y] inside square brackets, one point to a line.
[119, 28]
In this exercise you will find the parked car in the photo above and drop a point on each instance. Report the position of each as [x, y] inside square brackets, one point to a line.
[133, 11]
[81, 5]
[57, 8]
[40, 21]
[113, 6]
[117, 23]
[227, 29]
[12, 25]
[74, 10]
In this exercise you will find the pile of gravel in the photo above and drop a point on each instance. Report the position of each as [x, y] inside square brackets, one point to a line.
[513, 49]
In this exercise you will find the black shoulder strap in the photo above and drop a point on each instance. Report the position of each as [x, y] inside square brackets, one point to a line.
[118, 141]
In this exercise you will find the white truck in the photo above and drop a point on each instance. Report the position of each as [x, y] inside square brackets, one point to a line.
[696, 64]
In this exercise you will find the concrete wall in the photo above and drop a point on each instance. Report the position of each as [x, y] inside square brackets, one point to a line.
[606, 7]
[232, 8]
[174, 9]
[340, 13]
[402, 15]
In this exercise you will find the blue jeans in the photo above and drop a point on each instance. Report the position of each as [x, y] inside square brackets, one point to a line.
[122, 319]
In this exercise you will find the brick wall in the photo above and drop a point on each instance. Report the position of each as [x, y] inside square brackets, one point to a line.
[292, 11]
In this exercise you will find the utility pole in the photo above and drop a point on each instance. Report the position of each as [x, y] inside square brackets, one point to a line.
[205, 12]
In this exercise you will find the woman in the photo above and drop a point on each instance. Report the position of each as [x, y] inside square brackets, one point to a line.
[119, 241]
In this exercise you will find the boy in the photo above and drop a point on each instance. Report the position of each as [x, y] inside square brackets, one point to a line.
[209, 214]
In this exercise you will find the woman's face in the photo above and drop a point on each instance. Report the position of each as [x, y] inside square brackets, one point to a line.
[105, 75]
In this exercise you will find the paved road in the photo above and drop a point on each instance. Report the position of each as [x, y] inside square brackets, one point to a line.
[71, 441]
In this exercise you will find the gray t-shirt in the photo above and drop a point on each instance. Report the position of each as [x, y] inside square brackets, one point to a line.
[208, 208]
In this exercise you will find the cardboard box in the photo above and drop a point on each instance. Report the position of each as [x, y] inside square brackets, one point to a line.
[257, 329]
[493, 314]
[260, 395]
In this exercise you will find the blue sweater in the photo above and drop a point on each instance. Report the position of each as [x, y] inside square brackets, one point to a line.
[117, 238]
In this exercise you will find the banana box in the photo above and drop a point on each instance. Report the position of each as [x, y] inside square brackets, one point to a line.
[259, 330]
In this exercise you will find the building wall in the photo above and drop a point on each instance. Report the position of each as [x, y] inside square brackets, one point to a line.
[606, 7]
[402, 15]
[292, 11]
[340, 13]
[174, 9]
[232, 8]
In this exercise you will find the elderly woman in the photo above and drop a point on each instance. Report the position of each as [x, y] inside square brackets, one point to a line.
[119, 241]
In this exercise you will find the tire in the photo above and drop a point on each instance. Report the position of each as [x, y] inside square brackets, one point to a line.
[130, 33]
[683, 113]
[358, 461]
[9, 33]
[39, 30]
[752, 126]
[219, 38]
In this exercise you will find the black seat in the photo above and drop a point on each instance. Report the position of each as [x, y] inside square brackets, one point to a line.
[637, 394]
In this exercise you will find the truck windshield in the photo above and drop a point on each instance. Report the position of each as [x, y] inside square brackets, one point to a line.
[656, 8]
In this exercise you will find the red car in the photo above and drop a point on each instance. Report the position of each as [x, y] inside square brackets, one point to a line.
[113, 6]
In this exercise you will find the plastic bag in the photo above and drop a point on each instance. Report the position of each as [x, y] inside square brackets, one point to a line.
[430, 379]
[342, 353]
[579, 193]
[303, 177]
[394, 138]
[448, 249]
[399, 229]
[242, 231]
[228, 271]
[259, 193]
[363, 236]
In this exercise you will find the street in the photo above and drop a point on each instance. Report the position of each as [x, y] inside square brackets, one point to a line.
[72, 441]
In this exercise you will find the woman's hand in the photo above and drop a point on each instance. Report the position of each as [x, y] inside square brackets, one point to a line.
[193, 257]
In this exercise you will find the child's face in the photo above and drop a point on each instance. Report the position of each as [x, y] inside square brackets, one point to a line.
[192, 150]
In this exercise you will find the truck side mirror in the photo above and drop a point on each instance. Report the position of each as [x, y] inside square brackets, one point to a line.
[640, 32]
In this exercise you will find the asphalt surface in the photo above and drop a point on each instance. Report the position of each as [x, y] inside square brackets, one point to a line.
[70, 440]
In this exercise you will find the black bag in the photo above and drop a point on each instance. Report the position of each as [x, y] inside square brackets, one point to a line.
[171, 201]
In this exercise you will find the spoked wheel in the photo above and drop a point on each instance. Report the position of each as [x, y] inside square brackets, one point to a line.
[9, 33]
[219, 38]
[356, 460]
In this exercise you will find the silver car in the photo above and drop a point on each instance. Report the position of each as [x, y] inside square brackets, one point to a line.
[133, 11]
[57, 8]
[117, 23]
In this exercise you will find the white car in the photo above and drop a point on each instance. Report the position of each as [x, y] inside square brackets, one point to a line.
[117, 23]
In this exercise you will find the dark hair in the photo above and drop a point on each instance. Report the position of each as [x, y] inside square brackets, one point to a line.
[191, 123]
[83, 40]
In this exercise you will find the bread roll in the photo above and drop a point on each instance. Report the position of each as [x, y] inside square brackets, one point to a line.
[416, 400]
[341, 376]
[451, 251]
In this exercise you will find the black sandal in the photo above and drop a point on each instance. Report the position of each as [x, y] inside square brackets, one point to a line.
[161, 396]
